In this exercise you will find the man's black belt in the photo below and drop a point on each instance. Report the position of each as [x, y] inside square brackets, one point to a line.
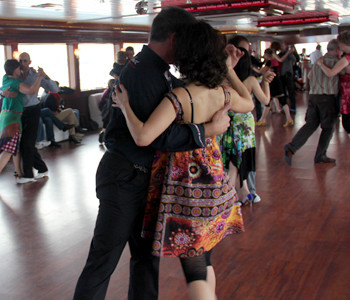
[32, 107]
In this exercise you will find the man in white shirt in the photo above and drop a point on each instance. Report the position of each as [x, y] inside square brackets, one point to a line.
[314, 56]
[30, 122]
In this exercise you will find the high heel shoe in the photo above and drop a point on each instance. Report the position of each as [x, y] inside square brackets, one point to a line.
[261, 123]
[288, 124]
[248, 199]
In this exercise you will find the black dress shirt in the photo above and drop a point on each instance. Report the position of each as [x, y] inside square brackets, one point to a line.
[147, 80]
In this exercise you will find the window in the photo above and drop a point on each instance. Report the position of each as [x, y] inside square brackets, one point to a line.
[95, 63]
[263, 46]
[311, 47]
[51, 57]
[138, 47]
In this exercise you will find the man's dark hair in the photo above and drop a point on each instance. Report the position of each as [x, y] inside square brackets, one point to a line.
[129, 48]
[237, 39]
[169, 21]
[10, 66]
[200, 55]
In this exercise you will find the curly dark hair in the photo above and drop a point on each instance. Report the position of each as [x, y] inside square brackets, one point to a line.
[200, 54]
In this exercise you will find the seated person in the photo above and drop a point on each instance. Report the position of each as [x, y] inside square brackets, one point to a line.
[48, 118]
[66, 116]
[105, 103]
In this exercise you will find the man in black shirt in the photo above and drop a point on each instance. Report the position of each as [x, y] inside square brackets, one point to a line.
[123, 175]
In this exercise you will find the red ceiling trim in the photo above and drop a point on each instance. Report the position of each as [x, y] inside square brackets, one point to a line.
[217, 6]
[299, 18]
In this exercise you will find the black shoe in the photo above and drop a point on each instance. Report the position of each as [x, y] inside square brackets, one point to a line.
[80, 130]
[54, 144]
[73, 139]
[67, 127]
[101, 136]
[325, 160]
[288, 154]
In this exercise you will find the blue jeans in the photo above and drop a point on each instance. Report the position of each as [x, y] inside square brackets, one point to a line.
[251, 182]
[49, 119]
[77, 114]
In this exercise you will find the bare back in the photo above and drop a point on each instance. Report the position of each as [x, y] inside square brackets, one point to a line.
[206, 102]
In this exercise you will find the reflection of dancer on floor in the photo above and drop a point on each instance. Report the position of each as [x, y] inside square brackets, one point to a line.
[238, 142]
[276, 88]
[194, 213]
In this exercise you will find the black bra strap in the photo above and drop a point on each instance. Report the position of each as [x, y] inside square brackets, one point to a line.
[191, 101]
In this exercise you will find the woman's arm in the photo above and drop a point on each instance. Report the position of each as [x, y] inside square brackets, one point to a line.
[30, 90]
[145, 133]
[261, 91]
[256, 69]
[8, 94]
[264, 69]
[337, 68]
[284, 57]
[241, 101]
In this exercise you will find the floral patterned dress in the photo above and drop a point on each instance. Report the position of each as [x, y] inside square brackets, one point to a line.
[345, 91]
[238, 143]
[191, 205]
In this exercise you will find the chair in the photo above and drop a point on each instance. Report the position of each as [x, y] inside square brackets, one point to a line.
[95, 113]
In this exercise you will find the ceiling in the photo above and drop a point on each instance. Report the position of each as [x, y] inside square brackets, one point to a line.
[123, 13]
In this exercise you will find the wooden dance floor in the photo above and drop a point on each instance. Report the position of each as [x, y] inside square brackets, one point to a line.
[296, 244]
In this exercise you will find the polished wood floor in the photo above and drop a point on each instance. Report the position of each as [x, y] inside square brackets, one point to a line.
[296, 244]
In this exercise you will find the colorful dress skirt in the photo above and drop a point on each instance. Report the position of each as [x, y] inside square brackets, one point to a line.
[345, 94]
[191, 205]
[238, 144]
[10, 131]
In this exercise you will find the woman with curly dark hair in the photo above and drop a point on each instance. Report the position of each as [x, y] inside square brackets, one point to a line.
[191, 204]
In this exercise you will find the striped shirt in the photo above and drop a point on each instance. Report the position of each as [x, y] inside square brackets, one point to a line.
[320, 83]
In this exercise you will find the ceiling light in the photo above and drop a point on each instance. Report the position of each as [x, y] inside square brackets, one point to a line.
[278, 11]
[262, 12]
